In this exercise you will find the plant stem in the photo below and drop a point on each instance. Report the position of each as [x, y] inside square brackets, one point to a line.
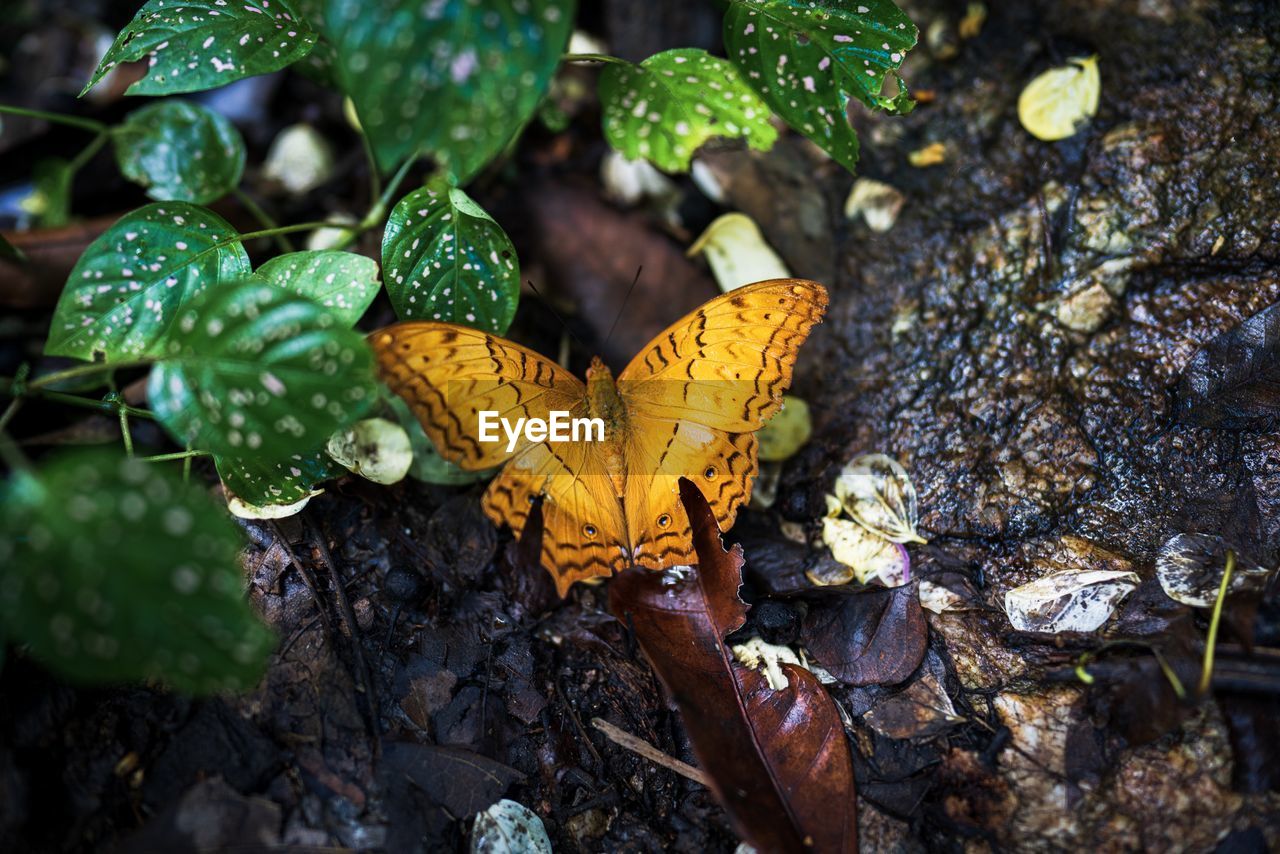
[57, 118]
[9, 452]
[83, 371]
[1206, 672]
[375, 179]
[86, 154]
[90, 403]
[593, 57]
[264, 219]
[176, 455]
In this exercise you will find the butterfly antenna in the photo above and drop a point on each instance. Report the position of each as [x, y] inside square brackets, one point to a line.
[623, 307]
[556, 314]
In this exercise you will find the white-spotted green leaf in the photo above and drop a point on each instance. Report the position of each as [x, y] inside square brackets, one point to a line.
[262, 482]
[877, 493]
[738, 253]
[343, 282]
[130, 284]
[1190, 568]
[119, 571]
[866, 555]
[1057, 102]
[253, 370]
[456, 79]
[374, 448]
[807, 60]
[180, 151]
[444, 258]
[666, 107]
[508, 827]
[192, 45]
[428, 465]
[1069, 600]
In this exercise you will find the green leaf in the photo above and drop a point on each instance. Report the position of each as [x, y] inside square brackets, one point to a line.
[444, 258]
[120, 571]
[260, 482]
[50, 199]
[252, 369]
[456, 79]
[428, 466]
[667, 106]
[202, 44]
[343, 282]
[807, 60]
[180, 151]
[129, 285]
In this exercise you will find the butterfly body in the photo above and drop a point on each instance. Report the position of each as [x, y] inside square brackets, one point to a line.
[687, 406]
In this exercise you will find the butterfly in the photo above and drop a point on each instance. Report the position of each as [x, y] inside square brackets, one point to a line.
[688, 405]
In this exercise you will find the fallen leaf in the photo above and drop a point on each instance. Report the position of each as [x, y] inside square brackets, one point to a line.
[876, 202]
[1190, 569]
[1068, 601]
[374, 448]
[877, 493]
[778, 760]
[932, 154]
[866, 555]
[787, 431]
[738, 253]
[921, 709]
[509, 828]
[873, 637]
[1233, 382]
[299, 160]
[1056, 102]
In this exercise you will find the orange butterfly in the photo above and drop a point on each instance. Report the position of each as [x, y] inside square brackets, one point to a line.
[687, 406]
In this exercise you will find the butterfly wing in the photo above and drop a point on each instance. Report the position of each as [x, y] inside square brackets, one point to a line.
[694, 399]
[448, 374]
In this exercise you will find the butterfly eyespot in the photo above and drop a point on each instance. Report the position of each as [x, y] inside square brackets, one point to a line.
[664, 520]
[710, 473]
[589, 530]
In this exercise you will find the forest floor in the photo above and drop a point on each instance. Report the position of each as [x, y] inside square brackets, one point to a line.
[1012, 340]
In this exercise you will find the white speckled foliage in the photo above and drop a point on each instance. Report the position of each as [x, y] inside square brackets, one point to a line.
[261, 482]
[180, 151]
[807, 60]
[667, 106]
[128, 286]
[253, 370]
[456, 79]
[343, 282]
[191, 45]
[444, 258]
[113, 569]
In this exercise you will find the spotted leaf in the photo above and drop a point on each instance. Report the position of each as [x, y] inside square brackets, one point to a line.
[262, 482]
[808, 59]
[250, 369]
[666, 107]
[343, 282]
[444, 258]
[115, 570]
[131, 282]
[192, 45]
[456, 79]
[180, 151]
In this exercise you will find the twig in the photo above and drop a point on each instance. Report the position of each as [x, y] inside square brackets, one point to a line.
[622, 738]
[363, 672]
[307, 579]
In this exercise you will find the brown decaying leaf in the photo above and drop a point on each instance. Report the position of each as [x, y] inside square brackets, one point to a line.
[778, 760]
[1234, 382]
[875, 637]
